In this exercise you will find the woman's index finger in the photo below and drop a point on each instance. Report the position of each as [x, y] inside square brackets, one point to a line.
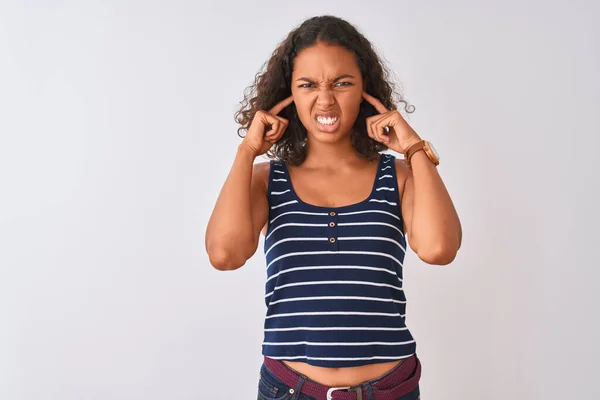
[375, 103]
[277, 108]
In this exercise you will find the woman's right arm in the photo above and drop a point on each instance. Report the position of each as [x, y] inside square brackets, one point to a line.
[242, 208]
[240, 213]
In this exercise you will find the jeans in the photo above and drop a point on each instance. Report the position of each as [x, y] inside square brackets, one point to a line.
[271, 388]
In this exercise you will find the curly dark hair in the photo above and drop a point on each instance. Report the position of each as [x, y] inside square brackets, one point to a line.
[273, 84]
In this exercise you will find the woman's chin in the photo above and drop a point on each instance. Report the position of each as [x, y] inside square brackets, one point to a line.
[329, 137]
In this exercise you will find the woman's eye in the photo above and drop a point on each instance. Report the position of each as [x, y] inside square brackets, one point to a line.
[308, 85]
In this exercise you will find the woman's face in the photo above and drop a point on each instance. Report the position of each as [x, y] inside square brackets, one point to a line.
[327, 90]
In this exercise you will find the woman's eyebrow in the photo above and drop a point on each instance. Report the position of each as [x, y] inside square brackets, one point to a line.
[335, 80]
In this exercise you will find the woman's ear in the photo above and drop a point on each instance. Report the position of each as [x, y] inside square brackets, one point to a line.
[292, 112]
[364, 88]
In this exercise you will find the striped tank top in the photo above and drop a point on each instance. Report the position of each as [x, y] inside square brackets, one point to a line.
[333, 289]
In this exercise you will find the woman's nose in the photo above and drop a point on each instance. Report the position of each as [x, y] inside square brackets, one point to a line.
[325, 98]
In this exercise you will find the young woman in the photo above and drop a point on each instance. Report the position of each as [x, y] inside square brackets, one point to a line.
[336, 213]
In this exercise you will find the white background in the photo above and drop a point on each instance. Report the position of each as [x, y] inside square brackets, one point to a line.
[117, 132]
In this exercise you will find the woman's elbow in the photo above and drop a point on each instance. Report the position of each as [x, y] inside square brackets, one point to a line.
[225, 258]
[224, 261]
[439, 254]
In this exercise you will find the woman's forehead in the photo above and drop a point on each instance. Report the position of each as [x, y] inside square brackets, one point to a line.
[325, 63]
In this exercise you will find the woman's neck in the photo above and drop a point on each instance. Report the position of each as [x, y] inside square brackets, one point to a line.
[330, 155]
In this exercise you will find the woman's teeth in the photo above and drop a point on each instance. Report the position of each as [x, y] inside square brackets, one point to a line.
[327, 121]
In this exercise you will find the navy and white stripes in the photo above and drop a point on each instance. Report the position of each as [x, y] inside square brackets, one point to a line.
[334, 291]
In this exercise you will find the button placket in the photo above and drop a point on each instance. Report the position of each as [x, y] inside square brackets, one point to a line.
[333, 231]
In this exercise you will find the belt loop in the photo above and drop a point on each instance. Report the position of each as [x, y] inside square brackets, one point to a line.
[298, 389]
[368, 390]
[359, 393]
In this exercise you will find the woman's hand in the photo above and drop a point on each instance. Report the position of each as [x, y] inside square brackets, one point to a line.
[259, 139]
[400, 136]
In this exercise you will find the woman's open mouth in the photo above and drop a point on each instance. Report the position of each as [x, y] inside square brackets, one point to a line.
[328, 123]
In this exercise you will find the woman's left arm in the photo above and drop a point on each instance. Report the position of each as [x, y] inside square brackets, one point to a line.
[430, 220]
[431, 223]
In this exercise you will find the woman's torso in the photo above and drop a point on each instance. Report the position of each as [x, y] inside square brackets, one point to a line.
[338, 189]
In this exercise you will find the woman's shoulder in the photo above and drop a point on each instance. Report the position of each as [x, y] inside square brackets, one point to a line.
[261, 167]
[402, 171]
[260, 172]
[401, 167]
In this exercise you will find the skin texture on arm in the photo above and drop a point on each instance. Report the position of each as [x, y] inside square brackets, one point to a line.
[432, 227]
[241, 210]
[240, 213]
